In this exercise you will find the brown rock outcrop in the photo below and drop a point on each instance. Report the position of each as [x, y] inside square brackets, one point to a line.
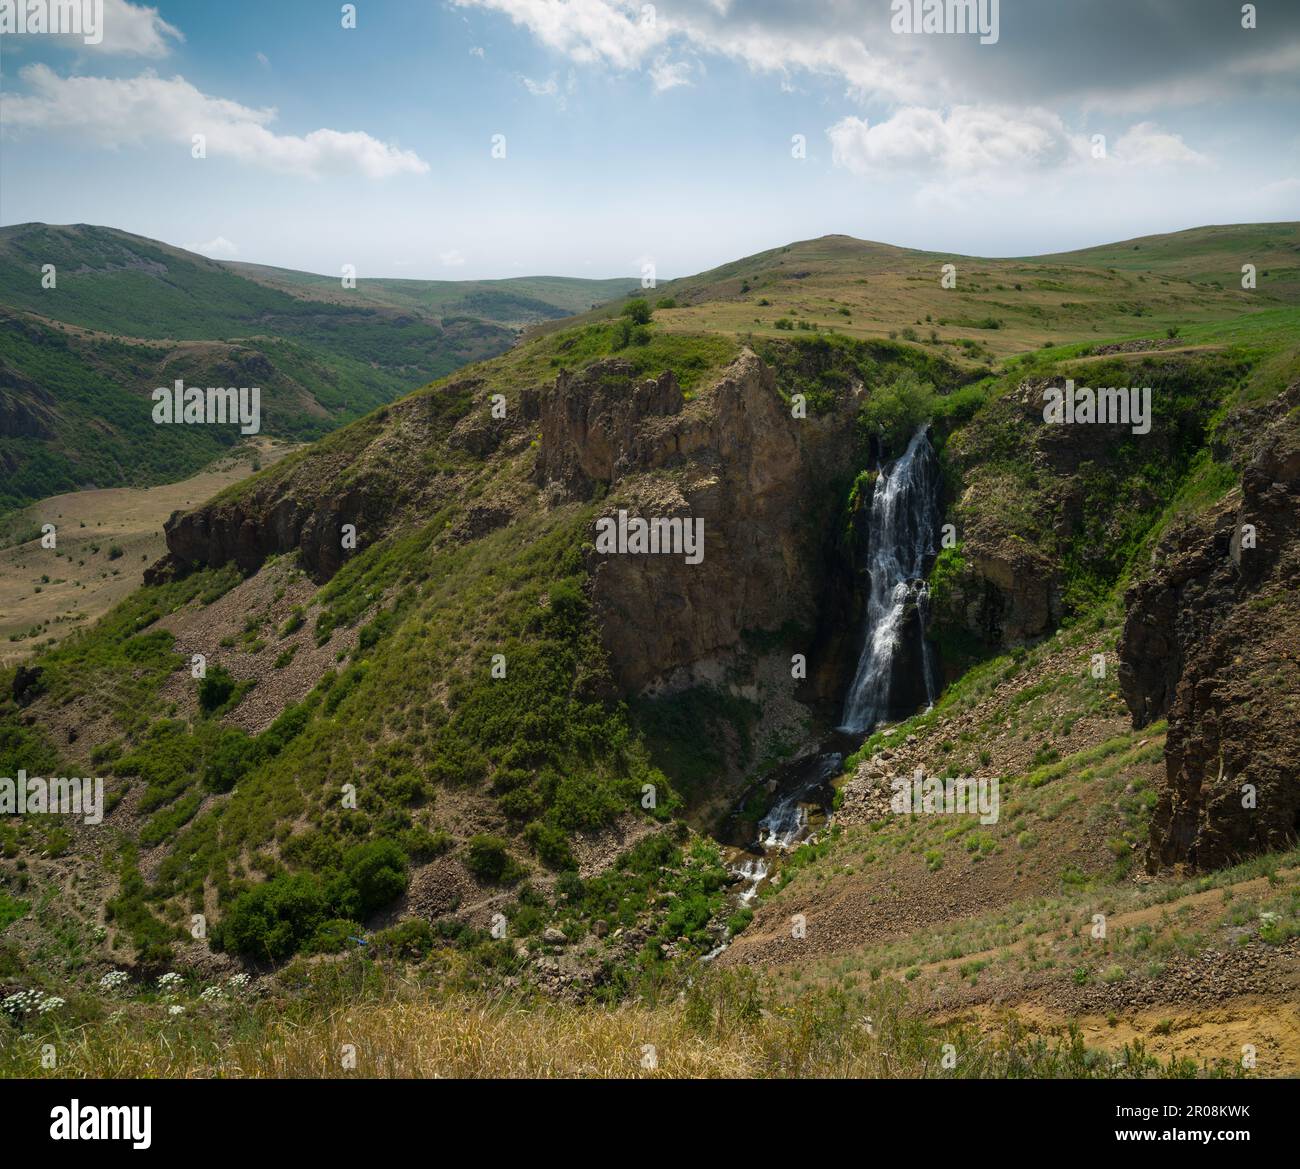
[762, 481]
[1210, 639]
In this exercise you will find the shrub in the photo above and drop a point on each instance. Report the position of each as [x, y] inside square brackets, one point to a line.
[897, 408]
[374, 874]
[229, 761]
[273, 920]
[333, 936]
[637, 311]
[550, 844]
[215, 689]
[409, 940]
[488, 857]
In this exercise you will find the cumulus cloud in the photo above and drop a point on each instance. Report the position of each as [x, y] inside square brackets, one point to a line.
[965, 139]
[772, 37]
[216, 249]
[136, 111]
[1125, 45]
[588, 31]
[972, 140]
[128, 30]
[1147, 145]
[134, 30]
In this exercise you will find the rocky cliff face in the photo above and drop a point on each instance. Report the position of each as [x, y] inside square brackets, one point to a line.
[762, 482]
[370, 476]
[766, 486]
[26, 409]
[1210, 640]
[1042, 503]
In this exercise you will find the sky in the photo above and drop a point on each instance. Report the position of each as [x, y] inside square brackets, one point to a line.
[473, 139]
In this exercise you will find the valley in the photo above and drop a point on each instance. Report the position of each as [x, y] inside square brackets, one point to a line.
[489, 763]
[124, 316]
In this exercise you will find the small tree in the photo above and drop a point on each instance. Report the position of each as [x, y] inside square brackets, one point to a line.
[638, 311]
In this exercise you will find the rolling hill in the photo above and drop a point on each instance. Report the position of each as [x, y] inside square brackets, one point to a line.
[127, 315]
[450, 758]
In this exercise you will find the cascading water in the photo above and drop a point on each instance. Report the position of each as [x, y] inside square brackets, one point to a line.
[902, 527]
[901, 536]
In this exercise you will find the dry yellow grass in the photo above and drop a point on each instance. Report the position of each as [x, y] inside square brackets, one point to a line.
[717, 1027]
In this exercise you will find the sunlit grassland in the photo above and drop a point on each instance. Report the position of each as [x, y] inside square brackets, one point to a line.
[356, 1021]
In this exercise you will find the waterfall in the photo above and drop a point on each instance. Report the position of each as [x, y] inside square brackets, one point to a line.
[901, 536]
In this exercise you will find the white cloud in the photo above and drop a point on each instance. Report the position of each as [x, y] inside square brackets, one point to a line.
[135, 30]
[669, 75]
[477, 51]
[850, 41]
[547, 88]
[551, 87]
[588, 31]
[129, 30]
[1145, 144]
[216, 249]
[263, 60]
[967, 139]
[135, 111]
[617, 34]
[975, 140]
[452, 259]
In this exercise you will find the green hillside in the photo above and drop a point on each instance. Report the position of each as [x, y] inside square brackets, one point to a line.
[418, 763]
[516, 301]
[127, 315]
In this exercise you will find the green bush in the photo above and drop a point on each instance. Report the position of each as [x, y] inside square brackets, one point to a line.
[275, 920]
[409, 941]
[488, 857]
[333, 936]
[550, 844]
[215, 689]
[637, 311]
[272, 921]
[897, 408]
[374, 874]
[231, 759]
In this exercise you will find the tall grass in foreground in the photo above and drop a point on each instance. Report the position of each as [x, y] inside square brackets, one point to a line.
[716, 1026]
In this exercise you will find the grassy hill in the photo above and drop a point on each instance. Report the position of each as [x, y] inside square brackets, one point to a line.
[78, 361]
[998, 307]
[360, 763]
[516, 301]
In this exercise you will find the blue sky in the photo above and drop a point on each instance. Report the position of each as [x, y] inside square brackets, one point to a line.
[635, 135]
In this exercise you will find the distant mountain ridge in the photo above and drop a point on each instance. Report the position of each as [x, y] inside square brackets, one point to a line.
[126, 314]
